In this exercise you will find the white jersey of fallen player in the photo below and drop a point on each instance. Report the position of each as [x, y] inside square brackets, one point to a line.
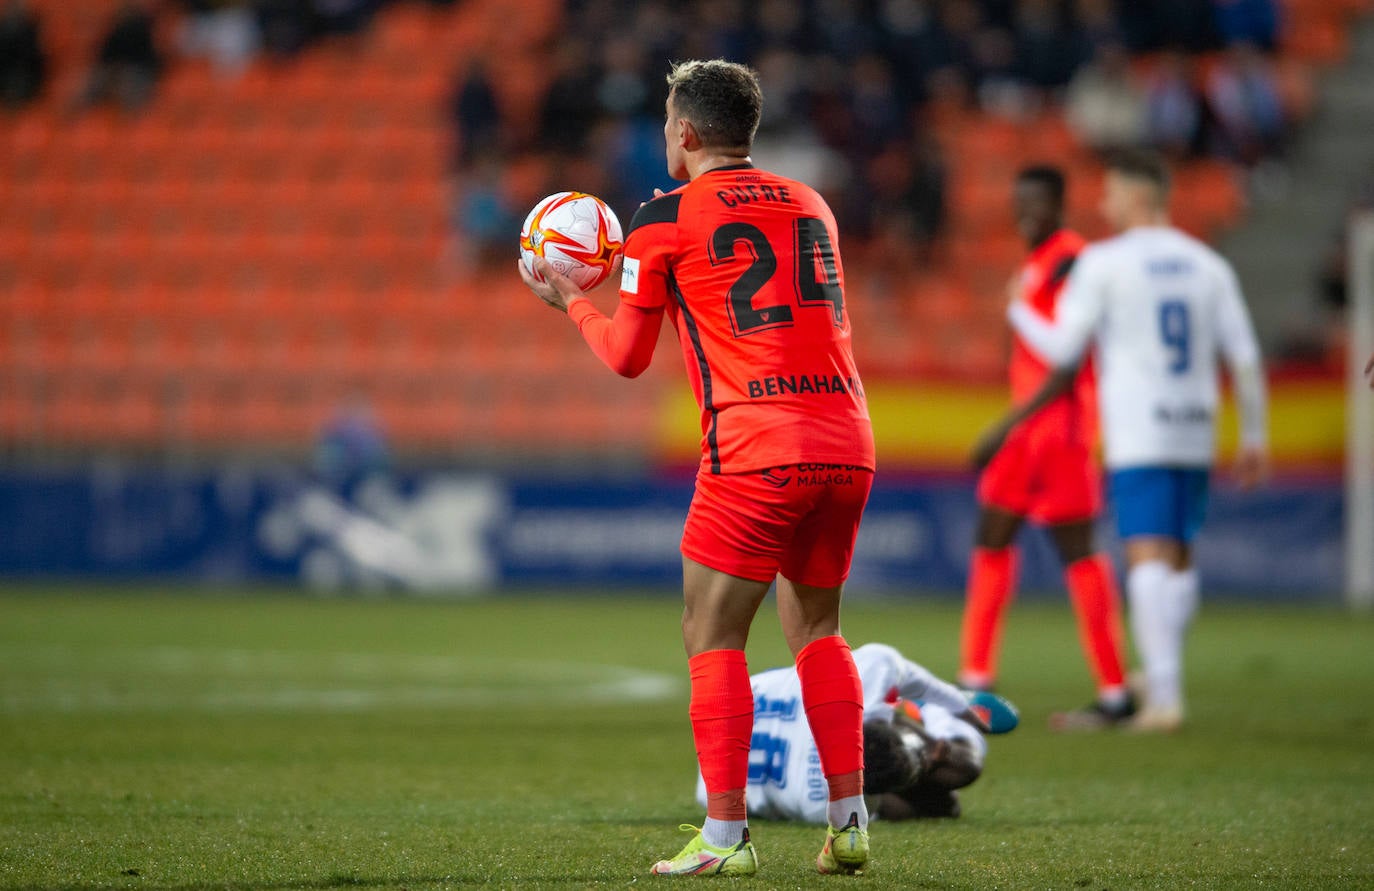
[1161, 306]
[785, 777]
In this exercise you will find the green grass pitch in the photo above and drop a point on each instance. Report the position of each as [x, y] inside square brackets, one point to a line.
[180, 741]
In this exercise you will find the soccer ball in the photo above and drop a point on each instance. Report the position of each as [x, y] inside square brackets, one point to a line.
[576, 233]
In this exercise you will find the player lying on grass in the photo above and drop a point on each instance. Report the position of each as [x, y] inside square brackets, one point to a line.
[923, 739]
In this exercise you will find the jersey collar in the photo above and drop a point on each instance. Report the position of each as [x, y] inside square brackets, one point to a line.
[1051, 244]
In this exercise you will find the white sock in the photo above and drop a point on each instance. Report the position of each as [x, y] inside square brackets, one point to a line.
[839, 810]
[1180, 605]
[1113, 696]
[1159, 647]
[723, 833]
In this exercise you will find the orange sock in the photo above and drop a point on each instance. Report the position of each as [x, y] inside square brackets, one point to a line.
[834, 701]
[722, 713]
[991, 583]
[1097, 604]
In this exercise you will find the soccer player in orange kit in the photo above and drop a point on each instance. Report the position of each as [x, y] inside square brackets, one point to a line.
[745, 265]
[1046, 472]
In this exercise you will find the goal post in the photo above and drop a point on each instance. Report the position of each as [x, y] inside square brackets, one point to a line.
[1359, 444]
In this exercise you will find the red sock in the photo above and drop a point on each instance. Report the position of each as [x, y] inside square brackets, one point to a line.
[991, 582]
[1097, 604]
[722, 713]
[834, 701]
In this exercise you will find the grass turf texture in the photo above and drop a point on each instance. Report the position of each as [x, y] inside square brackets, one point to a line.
[182, 741]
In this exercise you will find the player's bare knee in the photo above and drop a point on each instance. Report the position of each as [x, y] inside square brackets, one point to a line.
[996, 529]
[807, 613]
[1151, 548]
[1073, 541]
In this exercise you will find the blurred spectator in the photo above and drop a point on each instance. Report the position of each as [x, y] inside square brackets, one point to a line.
[128, 63]
[847, 82]
[783, 77]
[352, 446]
[782, 23]
[23, 66]
[347, 17]
[1187, 24]
[1151, 25]
[721, 25]
[658, 29]
[1045, 47]
[225, 32]
[1174, 106]
[847, 32]
[624, 89]
[909, 179]
[913, 43]
[1104, 105]
[1244, 99]
[877, 113]
[954, 71]
[476, 115]
[994, 73]
[485, 226]
[632, 151]
[828, 103]
[1096, 24]
[787, 141]
[569, 109]
[1247, 21]
[286, 26]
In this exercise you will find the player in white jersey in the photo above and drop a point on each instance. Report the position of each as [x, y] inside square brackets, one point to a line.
[1160, 307]
[923, 738]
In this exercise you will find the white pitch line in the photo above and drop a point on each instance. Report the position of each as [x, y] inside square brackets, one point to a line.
[233, 680]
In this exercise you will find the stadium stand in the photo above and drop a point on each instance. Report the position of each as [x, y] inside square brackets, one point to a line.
[227, 267]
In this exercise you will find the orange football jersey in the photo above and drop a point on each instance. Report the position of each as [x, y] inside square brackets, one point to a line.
[746, 264]
[1042, 280]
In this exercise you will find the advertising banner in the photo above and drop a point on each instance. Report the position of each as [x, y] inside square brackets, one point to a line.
[449, 532]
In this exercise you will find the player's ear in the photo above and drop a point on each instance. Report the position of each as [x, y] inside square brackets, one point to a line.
[688, 137]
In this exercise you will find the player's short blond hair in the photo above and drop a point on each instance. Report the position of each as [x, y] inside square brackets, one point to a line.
[721, 99]
[1143, 166]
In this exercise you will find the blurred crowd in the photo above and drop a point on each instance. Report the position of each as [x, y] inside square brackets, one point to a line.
[128, 58]
[849, 86]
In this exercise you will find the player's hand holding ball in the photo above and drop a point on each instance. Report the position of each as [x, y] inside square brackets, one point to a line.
[570, 243]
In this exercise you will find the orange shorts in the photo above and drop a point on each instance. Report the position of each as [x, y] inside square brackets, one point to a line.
[1043, 474]
[799, 521]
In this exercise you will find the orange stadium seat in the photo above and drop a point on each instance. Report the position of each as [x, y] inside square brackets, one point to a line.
[270, 245]
[1321, 41]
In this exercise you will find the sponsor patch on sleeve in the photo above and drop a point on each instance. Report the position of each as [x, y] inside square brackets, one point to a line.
[629, 276]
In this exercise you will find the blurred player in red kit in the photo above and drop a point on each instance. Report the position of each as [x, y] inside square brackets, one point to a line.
[746, 267]
[1045, 472]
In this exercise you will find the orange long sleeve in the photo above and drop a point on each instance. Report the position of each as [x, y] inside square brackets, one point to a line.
[625, 341]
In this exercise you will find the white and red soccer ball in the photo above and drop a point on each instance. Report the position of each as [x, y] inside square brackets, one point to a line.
[576, 233]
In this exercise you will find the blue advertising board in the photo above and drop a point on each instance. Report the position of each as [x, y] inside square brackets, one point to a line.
[450, 531]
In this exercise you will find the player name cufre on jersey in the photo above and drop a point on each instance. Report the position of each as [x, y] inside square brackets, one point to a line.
[777, 385]
[745, 194]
